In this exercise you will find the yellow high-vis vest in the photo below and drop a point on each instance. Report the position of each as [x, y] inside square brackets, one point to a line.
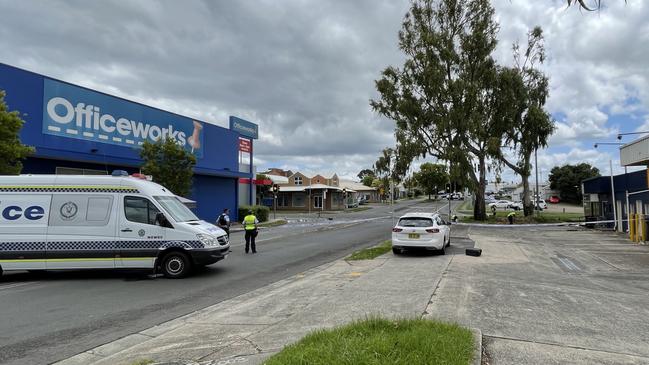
[249, 222]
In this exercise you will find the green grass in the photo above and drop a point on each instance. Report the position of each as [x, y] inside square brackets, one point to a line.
[371, 252]
[465, 207]
[379, 341]
[142, 362]
[542, 217]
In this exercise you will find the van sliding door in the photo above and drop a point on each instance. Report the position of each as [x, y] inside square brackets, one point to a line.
[81, 234]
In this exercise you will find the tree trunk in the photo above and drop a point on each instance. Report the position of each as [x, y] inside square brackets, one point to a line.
[528, 207]
[479, 211]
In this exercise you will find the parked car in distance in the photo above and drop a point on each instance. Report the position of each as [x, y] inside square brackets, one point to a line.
[499, 204]
[421, 230]
[540, 204]
[554, 199]
[516, 206]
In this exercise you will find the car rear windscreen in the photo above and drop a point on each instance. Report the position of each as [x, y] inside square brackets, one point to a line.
[415, 222]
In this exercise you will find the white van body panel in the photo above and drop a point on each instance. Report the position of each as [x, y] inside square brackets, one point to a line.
[101, 222]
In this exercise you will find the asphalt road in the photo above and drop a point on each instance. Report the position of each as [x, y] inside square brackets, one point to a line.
[52, 316]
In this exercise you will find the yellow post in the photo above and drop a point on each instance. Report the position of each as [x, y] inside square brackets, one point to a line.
[643, 227]
[632, 227]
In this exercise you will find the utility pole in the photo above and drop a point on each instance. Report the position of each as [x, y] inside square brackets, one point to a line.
[537, 197]
[613, 196]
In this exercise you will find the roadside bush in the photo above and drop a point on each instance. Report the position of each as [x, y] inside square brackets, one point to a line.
[260, 211]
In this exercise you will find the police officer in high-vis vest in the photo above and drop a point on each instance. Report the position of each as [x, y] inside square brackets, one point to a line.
[250, 223]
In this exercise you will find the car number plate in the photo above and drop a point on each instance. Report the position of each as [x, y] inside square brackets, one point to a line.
[413, 235]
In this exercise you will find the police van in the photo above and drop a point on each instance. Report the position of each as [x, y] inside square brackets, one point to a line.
[54, 222]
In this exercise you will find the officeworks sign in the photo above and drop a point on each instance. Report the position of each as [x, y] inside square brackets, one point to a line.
[244, 127]
[74, 112]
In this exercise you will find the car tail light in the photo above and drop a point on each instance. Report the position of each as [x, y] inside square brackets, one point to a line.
[397, 229]
[432, 230]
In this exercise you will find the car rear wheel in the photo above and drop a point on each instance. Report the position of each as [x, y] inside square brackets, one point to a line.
[397, 251]
[176, 265]
[443, 250]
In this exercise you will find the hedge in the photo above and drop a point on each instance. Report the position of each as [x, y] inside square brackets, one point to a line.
[260, 211]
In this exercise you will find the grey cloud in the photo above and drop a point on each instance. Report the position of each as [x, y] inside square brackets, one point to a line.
[303, 70]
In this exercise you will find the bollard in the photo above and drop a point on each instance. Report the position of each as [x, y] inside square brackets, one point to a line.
[632, 227]
[643, 225]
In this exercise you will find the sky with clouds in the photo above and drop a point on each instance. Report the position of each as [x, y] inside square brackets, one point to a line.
[304, 70]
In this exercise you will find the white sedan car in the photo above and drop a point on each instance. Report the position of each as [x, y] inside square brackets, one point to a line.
[500, 204]
[421, 230]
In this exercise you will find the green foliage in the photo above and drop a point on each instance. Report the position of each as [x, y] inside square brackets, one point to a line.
[365, 173]
[567, 179]
[382, 341]
[445, 99]
[368, 180]
[525, 91]
[260, 211]
[12, 151]
[170, 165]
[371, 252]
[431, 177]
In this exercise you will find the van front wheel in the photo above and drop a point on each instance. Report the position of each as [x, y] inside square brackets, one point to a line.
[175, 265]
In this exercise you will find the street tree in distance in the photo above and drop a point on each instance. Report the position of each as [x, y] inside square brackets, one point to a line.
[170, 164]
[367, 180]
[445, 98]
[365, 172]
[527, 125]
[567, 179]
[12, 151]
[431, 177]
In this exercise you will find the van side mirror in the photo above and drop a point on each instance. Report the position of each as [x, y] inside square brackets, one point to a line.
[162, 221]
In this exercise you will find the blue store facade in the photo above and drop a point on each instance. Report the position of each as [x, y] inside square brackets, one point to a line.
[79, 130]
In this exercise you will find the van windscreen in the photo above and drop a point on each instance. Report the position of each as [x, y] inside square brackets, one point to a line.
[176, 209]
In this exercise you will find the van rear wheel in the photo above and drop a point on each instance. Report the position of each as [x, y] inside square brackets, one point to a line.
[176, 265]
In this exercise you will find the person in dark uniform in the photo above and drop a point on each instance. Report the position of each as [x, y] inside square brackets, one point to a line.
[223, 221]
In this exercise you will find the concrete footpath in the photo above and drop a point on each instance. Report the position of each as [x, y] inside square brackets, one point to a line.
[249, 328]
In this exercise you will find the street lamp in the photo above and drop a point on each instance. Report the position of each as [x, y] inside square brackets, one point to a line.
[613, 202]
[619, 135]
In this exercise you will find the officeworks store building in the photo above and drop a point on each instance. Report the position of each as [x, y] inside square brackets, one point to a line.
[76, 130]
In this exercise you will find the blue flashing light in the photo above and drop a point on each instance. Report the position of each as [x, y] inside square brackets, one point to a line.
[119, 173]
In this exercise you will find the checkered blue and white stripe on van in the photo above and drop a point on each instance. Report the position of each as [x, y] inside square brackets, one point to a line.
[68, 189]
[96, 245]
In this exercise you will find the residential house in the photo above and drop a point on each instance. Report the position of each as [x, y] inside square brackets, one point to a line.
[302, 192]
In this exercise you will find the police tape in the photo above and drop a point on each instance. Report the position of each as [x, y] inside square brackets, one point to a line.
[535, 225]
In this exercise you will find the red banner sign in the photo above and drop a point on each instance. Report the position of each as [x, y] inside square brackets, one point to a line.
[245, 145]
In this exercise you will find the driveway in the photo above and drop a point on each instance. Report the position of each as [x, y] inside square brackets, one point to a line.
[551, 296]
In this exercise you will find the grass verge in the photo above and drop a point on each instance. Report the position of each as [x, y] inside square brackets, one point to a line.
[381, 341]
[466, 207]
[142, 362]
[371, 252]
[542, 217]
